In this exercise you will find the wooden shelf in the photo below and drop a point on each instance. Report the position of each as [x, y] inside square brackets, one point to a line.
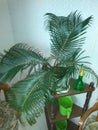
[71, 126]
[52, 112]
[76, 111]
[74, 92]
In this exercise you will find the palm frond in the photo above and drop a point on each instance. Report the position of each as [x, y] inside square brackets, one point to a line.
[90, 74]
[67, 34]
[27, 96]
[9, 75]
[18, 58]
[72, 64]
[75, 58]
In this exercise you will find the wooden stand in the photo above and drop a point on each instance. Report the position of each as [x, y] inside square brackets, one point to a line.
[52, 112]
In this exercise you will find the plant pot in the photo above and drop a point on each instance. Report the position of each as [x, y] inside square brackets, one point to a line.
[8, 119]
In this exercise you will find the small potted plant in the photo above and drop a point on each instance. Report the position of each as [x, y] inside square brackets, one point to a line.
[45, 75]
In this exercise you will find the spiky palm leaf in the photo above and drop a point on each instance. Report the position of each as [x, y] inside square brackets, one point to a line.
[18, 58]
[67, 33]
[30, 94]
[67, 38]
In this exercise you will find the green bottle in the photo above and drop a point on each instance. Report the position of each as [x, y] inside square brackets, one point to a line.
[79, 85]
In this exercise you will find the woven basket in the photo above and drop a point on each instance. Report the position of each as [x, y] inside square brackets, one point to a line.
[8, 119]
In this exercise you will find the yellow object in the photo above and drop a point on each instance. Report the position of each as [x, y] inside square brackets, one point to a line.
[81, 71]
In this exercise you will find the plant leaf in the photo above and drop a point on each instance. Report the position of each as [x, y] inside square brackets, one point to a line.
[18, 58]
[67, 33]
[28, 97]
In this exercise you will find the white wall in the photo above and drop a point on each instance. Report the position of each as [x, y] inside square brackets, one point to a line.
[6, 35]
[40, 125]
[27, 19]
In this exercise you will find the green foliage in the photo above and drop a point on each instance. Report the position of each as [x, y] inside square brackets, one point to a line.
[45, 75]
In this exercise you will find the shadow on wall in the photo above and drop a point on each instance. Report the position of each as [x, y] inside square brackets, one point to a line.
[40, 125]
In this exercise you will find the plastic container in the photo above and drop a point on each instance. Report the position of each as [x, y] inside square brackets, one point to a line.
[61, 125]
[65, 106]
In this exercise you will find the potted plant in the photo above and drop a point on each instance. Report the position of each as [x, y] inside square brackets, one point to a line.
[44, 75]
[8, 115]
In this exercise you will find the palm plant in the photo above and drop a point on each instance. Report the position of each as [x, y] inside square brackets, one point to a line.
[45, 75]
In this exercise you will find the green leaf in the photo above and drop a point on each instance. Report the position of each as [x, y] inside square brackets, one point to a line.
[90, 74]
[66, 33]
[28, 97]
[9, 75]
[20, 55]
[19, 58]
